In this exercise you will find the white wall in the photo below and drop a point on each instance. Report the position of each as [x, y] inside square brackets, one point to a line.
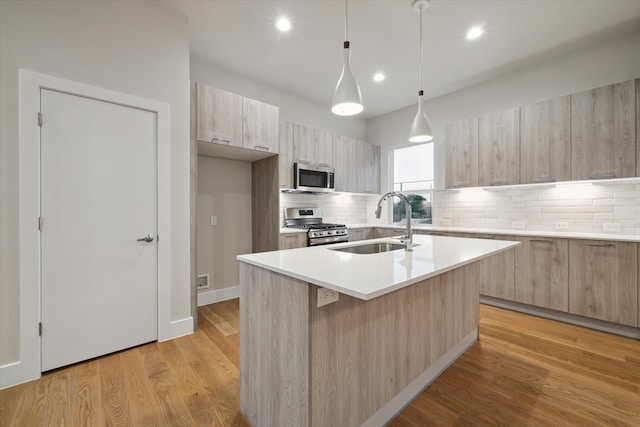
[292, 108]
[224, 191]
[135, 47]
[587, 68]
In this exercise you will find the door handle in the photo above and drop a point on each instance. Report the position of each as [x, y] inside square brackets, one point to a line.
[148, 238]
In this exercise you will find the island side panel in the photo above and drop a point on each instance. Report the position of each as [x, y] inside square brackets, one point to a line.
[274, 358]
[363, 353]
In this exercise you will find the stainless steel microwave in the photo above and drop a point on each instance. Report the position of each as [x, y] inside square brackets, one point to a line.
[314, 178]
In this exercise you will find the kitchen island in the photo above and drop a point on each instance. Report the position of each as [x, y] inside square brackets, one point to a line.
[401, 319]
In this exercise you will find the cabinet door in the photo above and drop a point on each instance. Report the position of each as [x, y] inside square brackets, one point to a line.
[324, 148]
[285, 155]
[219, 116]
[304, 144]
[293, 240]
[638, 128]
[344, 149]
[545, 141]
[603, 132]
[259, 126]
[603, 280]
[356, 234]
[367, 168]
[461, 145]
[497, 273]
[499, 148]
[379, 232]
[542, 267]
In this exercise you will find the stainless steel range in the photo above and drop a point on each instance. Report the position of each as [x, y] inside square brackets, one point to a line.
[319, 233]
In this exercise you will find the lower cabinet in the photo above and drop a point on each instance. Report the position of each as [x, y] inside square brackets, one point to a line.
[603, 280]
[542, 272]
[293, 240]
[379, 233]
[356, 234]
[497, 273]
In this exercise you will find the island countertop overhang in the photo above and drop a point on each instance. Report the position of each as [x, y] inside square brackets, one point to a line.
[372, 275]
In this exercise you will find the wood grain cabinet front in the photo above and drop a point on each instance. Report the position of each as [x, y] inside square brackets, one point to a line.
[603, 280]
[545, 151]
[499, 148]
[461, 147]
[356, 234]
[218, 116]
[259, 126]
[293, 240]
[603, 131]
[542, 272]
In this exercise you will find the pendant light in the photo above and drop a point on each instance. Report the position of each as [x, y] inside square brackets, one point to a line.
[347, 99]
[420, 128]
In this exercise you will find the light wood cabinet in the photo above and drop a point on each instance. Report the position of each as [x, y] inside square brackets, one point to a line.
[461, 145]
[603, 132]
[545, 149]
[638, 129]
[312, 146]
[603, 280]
[259, 126]
[345, 160]
[379, 232]
[218, 116]
[542, 266]
[285, 155]
[356, 234]
[499, 148]
[367, 168]
[293, 240]
[324, 148]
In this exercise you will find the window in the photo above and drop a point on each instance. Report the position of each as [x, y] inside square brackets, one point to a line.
[413, 175]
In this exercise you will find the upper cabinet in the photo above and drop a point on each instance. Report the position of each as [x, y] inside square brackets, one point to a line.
[638, 127]
[499, 148]
[227, 119]
[285, 157]
[259, 126]
[603, 132]
[368, 168]
[461, 144]
[324, 148]
[312, 146]
[345, 155]
[218, 116]
[545, 152]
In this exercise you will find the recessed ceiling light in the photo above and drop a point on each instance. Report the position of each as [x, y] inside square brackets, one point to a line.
[283, 24]
[379, 77]
[474, 33]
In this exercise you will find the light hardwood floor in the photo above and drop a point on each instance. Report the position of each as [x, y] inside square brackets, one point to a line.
[525, 371]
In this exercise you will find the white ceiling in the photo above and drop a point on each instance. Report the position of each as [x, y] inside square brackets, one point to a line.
[240, 36]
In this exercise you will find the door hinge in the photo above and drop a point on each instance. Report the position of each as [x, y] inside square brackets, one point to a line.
[39, 223]
[39, 119]
[40, 329]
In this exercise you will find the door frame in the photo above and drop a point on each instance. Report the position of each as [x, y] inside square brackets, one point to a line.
[29, 366]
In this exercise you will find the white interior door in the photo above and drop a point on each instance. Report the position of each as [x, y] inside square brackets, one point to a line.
[98, 197]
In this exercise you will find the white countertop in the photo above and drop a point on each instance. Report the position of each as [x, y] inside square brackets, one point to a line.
[369, 276]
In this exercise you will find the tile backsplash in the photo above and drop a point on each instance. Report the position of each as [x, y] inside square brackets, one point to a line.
[583, 207]
[580, 206]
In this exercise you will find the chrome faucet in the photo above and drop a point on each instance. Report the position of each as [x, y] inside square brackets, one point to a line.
[407, 239]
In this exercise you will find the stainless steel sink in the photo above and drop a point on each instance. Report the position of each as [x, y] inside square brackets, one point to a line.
[371, 248]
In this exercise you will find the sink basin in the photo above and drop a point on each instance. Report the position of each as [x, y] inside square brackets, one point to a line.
[371, 248]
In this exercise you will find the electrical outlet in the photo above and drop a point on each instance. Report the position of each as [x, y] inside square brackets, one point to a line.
[326, 296]
[518, 224]
[445, 221]
[202, 281]
[214, 220]
[562, 225]
[611, 226]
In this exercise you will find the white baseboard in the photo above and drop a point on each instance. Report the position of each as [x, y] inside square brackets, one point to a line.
[218, 295]
[15, 373]
[177, 328]
[393, 407]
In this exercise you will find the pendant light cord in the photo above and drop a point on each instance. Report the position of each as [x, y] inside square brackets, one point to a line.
[421, 54]
[346, 20]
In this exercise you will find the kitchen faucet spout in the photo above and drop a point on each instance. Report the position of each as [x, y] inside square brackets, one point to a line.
[407, 239]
